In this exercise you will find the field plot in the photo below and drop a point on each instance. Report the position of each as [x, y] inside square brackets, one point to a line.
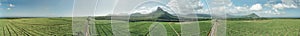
[141, 28]
[36, 27]
[63, 27]
[270, 27]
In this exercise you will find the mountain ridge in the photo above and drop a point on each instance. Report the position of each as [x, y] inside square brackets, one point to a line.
[158, 15]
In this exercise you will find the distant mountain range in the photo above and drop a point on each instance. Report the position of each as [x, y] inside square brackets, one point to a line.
[161, 15]
[252, 15]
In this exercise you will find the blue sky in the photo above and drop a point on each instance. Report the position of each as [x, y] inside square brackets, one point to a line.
[35, 8]
[285, 8]
[264, 8]
[57, 8]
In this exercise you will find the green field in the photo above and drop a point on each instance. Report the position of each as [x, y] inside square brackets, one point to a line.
[36, 27]
[63, 27]
[141, 28]
[270, 27]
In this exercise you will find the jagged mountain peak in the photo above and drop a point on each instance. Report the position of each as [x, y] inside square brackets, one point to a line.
[159, 10]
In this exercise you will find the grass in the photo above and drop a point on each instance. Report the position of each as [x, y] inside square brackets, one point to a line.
[63, 27]
[270, 27]
[35, 27]
[141, 28]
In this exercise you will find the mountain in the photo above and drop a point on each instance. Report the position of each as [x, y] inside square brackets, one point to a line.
[208, 16]
[252, 15]
[199, 16]
[158, 15]
[203, 15]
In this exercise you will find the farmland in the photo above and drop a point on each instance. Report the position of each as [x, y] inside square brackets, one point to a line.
[36, 27]
[270, 27]
[141, 28]
[63, 27]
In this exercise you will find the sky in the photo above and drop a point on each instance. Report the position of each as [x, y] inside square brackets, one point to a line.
[35, 8]
[63, 8]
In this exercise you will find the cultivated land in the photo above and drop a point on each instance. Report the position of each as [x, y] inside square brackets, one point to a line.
[63, 26]
[141, 28]
[270, 27]
[36, 27]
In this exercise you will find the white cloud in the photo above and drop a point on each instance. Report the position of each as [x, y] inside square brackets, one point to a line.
[125, 6]
[173, 5]
[219, 2]
[11, 5]
[223, 7]
[268, 11]
[288, 4]
[275, 7]
[185, 6]
[8, 8]
[228, 8]
[291, 2]
[145, 10]
[239, 8]
[282, 6]
[268, 5]
[256, 7]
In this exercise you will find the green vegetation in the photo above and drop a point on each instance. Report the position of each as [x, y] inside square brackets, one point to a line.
[36, 27]
[141, 28]
[63, 27]
[269, 27]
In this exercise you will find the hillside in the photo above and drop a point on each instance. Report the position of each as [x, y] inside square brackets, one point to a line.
[158, 15]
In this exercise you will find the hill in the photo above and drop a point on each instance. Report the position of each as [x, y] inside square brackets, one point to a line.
[158, 15]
